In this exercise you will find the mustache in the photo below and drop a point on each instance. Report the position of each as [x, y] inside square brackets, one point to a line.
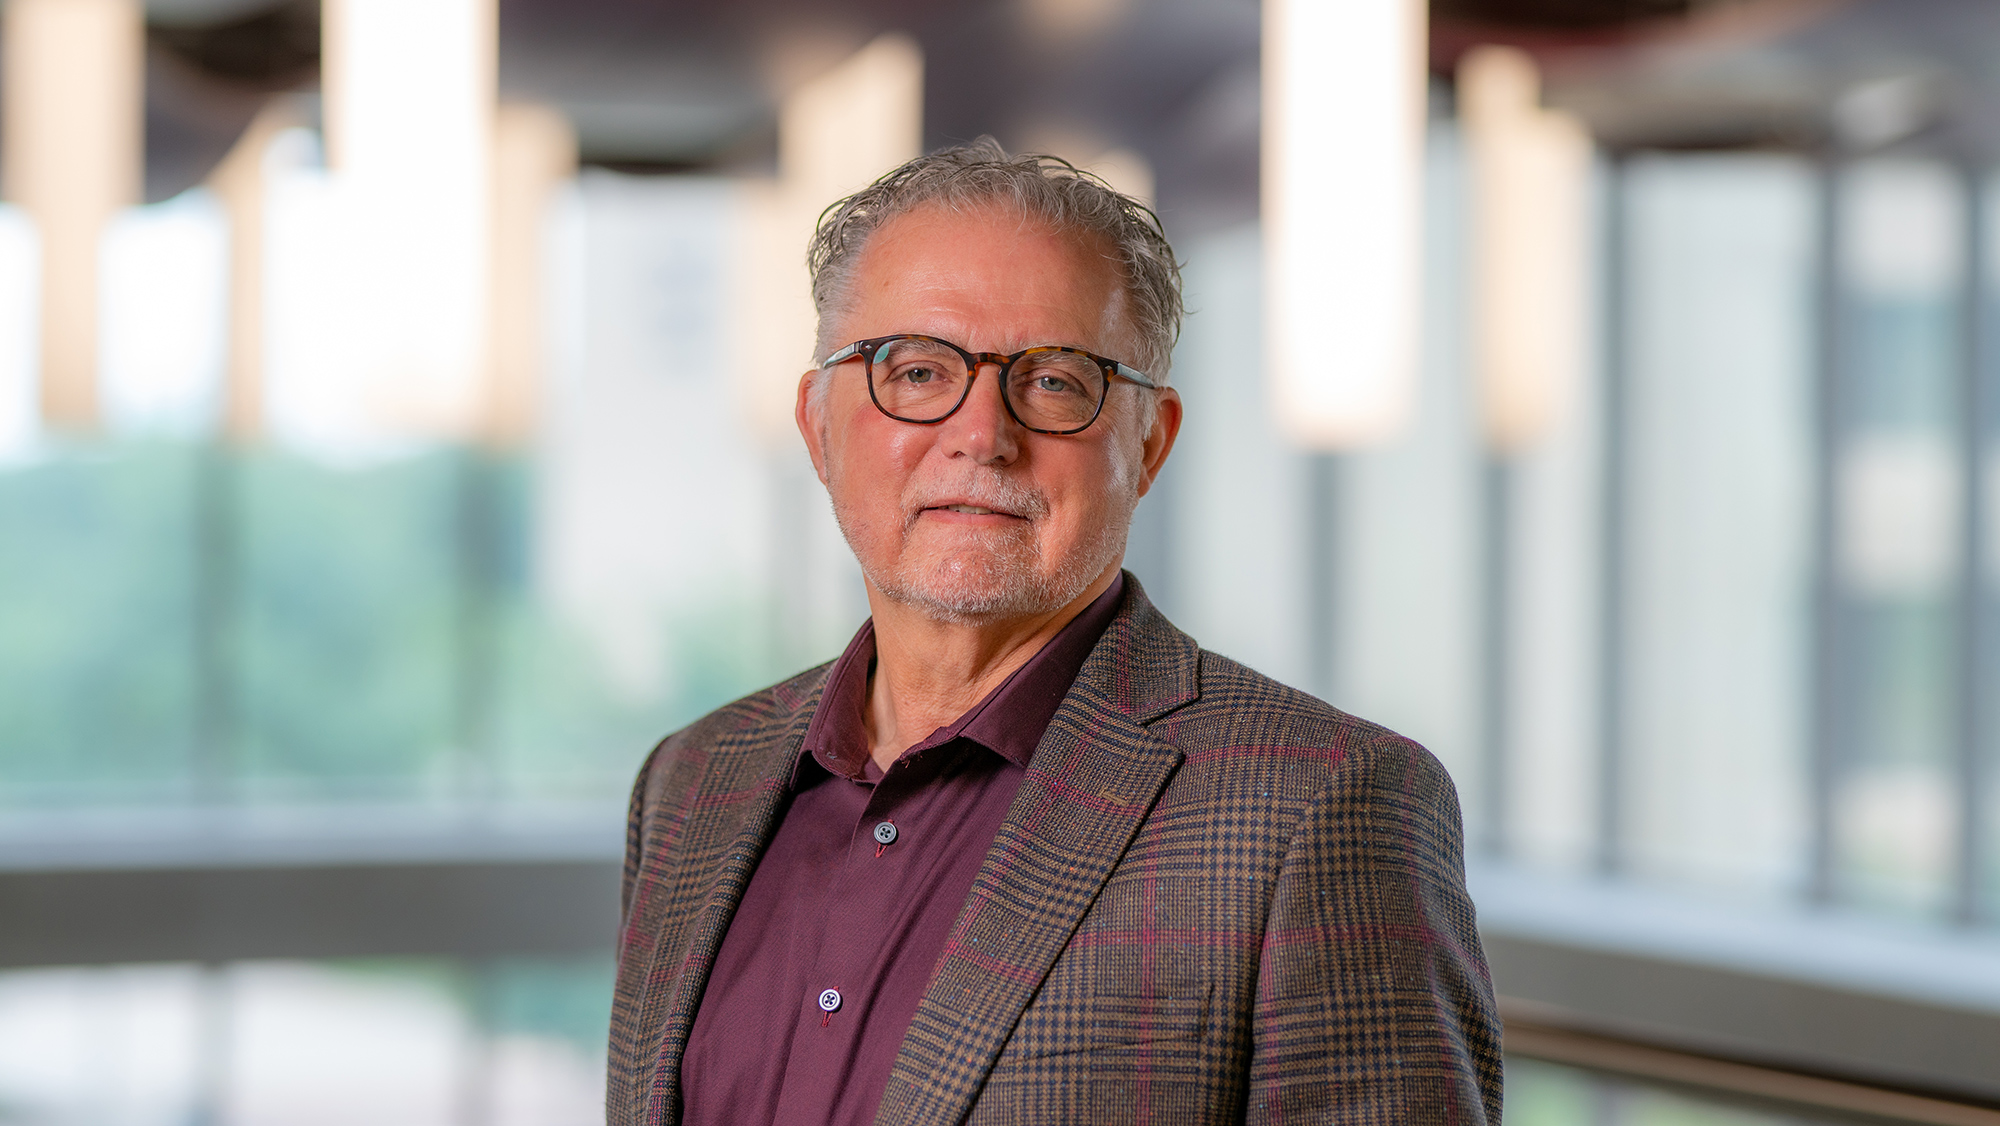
[985, 490]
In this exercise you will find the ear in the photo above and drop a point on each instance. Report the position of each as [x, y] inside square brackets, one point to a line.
[1159, 441]
[812, 423]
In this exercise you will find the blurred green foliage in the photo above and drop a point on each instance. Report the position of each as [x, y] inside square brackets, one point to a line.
[297, 630]
[97, 599]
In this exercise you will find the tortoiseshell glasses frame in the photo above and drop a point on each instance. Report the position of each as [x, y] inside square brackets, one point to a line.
[1064, 388]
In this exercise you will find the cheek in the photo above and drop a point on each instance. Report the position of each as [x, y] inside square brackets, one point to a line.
[1115, 469]
[1127, 459]
[870, 466]
[1095, 491]
[902, 447]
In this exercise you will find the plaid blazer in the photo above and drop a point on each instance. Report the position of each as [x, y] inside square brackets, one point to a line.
[1215, 899]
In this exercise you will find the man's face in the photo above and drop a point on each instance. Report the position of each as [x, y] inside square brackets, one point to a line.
[1051, 511]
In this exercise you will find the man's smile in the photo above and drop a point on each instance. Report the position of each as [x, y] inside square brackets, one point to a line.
[965, 512]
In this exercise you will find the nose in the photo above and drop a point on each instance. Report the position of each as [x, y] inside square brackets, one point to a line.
[981, 428]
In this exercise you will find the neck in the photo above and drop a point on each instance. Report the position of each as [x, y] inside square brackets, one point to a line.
[928, 672]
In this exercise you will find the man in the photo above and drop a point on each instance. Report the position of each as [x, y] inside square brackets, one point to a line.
[1025, 853]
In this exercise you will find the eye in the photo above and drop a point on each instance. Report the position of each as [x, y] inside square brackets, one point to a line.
[917, 374]
[1052, 384]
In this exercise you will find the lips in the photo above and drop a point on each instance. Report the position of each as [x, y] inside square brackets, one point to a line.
[970, 509]
[984, 499]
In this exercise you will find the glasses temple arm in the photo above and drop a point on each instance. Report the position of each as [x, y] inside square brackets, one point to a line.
[1127, 373]
[851, 350]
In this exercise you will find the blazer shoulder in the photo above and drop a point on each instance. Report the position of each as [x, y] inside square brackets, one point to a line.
[1245, 720]
[1270, 707]
[732, 739]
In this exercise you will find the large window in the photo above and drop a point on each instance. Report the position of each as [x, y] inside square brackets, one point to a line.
[1737, 663]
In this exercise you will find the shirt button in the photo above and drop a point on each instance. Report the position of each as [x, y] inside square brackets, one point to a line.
[829, 1000]
[885, 833]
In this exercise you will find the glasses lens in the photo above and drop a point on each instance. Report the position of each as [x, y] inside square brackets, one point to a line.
[920, 380]
[1055, 390]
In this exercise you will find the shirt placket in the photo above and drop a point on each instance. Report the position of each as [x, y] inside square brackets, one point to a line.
[862, 903]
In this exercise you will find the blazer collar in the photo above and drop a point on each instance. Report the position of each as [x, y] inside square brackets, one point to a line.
[1143, 666]
[1091, 784]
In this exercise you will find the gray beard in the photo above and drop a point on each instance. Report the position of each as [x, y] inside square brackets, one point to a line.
[1003, 584]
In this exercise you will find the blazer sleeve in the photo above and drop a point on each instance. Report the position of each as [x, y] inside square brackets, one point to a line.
[1374, 1004]
[635, 808]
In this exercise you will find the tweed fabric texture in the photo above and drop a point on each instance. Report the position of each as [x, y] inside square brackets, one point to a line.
[1215, 899]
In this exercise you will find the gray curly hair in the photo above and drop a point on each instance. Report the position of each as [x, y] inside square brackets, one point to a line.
[1043, 187]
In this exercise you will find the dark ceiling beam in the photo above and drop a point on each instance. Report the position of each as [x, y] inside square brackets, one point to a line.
[679, 85]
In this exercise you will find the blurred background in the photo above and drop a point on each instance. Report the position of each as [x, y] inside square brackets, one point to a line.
[395, 442]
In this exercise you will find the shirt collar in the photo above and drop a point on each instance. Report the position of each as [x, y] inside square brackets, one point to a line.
[1009, 721]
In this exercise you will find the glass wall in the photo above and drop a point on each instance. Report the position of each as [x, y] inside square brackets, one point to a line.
[402, 1043]
[324, 612]
[1898, 544]
[330, 612]
[1718, 520]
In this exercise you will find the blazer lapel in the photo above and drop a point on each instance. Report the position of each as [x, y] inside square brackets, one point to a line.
[1094, 778]
[742, 824]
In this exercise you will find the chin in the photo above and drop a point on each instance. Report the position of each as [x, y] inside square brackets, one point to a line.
[978, 586]
[972, 587]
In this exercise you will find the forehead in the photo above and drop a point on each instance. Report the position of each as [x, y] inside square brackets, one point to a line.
[987, 277]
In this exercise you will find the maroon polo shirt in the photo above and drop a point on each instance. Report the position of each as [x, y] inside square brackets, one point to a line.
[835, 940]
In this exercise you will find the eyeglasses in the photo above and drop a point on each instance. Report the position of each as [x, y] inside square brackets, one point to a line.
[1049, 389]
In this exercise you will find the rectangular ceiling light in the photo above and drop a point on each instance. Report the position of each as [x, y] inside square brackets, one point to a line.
[73, 136]
[1343, 135]
[241, 182]
[409, 96]
[535, 153]
[837, 132]
[1531, 233]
